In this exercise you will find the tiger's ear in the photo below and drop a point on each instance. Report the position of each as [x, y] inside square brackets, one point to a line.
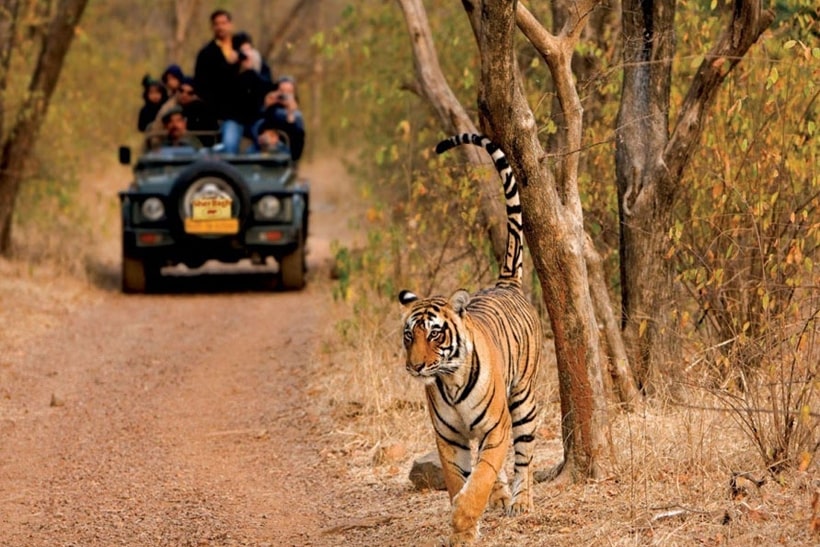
[459, 301]
[406, 297]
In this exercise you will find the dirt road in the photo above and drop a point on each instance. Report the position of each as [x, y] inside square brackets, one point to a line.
[172, 419]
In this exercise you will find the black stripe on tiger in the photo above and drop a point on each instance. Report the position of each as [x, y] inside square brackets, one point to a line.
[475, 368]
[512, 267]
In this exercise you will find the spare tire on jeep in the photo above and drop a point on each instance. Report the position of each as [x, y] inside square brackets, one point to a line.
[208, 177]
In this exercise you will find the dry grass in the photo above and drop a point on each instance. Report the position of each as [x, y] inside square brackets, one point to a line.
[74, 233]
[682, 473]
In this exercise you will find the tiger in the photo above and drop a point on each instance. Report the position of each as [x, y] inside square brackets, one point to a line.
[477, 356]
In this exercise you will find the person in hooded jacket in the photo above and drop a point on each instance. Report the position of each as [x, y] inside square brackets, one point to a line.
[153, 97]
[280, 109]
[243, 44]
[172, 77]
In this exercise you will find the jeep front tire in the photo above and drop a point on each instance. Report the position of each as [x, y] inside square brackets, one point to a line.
[292, 268]
[138, 275]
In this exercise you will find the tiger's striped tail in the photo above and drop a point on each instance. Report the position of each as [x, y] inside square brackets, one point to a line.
[512, 268]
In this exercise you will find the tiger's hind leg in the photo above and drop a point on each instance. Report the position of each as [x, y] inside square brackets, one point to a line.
[524, 412]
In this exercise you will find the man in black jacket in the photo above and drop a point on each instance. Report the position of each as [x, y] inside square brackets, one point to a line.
[216, 73]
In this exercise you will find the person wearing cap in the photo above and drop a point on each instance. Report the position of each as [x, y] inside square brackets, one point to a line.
[176, 130]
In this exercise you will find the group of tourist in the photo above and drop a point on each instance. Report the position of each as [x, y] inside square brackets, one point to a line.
[232, 94]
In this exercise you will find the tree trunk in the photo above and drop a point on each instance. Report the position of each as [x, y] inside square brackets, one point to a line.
[19, 144]
[553, 220]
[641, 137]
[649, 164]
[585, 68]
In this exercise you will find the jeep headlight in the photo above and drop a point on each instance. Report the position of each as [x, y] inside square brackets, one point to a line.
[152, 209]
[268, 207]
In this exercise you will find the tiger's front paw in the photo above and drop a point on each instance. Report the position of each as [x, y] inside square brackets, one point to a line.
[458, 539]
[465, 524]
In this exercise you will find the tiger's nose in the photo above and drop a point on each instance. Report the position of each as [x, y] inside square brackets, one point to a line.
[414, 368]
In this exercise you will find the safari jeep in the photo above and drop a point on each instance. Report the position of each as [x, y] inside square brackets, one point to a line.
[188, 206]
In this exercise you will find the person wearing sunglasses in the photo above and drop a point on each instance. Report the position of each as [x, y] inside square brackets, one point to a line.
[200, 116]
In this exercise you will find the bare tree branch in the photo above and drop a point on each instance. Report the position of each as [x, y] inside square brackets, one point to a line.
[542, 40]
[431, 82]
[557, 53]
[747, 23]
[623, 379]
[579, 13]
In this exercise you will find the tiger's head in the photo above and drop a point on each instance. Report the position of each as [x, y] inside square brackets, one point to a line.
[434, 339]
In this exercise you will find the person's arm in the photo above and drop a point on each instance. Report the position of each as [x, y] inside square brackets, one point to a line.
[202, 73]
[145, 118]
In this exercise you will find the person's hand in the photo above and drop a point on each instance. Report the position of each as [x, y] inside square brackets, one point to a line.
[246, 64]
[288, 101]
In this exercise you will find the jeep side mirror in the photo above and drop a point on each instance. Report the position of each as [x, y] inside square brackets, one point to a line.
[125, 155]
